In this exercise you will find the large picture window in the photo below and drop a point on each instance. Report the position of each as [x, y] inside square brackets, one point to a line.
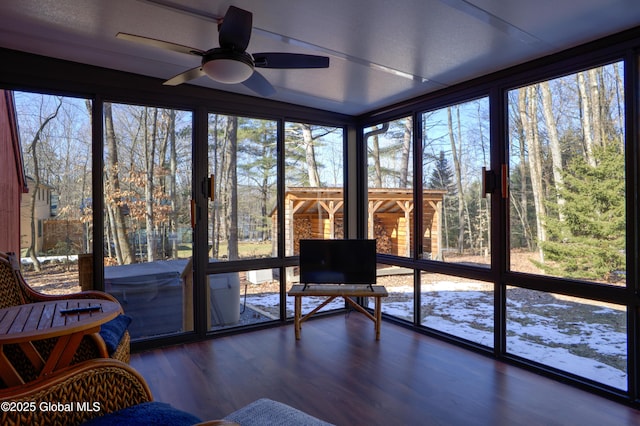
[567, 177]
[567, 205]
[56, 221]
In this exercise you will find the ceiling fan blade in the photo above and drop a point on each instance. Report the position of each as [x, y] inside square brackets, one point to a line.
[259, 84]
[188, 75]
[235, 30]
[289, 60]
[160, 44]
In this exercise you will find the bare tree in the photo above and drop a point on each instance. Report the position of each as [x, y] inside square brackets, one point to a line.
[458, 179]
[554, 141]
[527, 101]
[230, 186]
[149, 154]
[33, 150]
[406, 152]
[521, 207]
[173, 169]
[113, 196]
[587, 131]
[310, 155]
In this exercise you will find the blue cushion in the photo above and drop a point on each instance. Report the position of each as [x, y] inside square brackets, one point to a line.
[145, 414]
[113, 331]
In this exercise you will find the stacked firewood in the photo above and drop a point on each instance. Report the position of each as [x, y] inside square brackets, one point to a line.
[301, 231]
[338, 228]
[383, 241]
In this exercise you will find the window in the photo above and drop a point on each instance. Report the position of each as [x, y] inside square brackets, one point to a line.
[314, 193]
[568, 220]
[242, 225]
[567, 177]
[580, 336]
[457, 215]
[390, 183]
[391, 208]
[55, 134]
[243, 160]
[147, 234]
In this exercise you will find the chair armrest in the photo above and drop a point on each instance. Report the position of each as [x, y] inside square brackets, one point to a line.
[35, 296]
[106, 384]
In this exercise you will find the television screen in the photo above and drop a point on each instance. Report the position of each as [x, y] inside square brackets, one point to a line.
[338, 262]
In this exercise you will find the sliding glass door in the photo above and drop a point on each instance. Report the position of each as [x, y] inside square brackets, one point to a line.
[457, 220]
[147, 230]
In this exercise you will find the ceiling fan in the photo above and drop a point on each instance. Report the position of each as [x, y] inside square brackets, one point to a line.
[230, 63]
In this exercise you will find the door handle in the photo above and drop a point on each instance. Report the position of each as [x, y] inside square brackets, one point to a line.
[488, 182]
[193, 214]
[504, 176]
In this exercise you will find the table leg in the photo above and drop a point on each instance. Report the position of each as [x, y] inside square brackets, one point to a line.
[296, 315]
[62, 352]
[8, 373]
[378, 314]
[70, 350]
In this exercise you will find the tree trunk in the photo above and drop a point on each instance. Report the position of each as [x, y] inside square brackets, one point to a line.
[231, 183]
[587, 131]
[113, 195]
[377, 168]
[619, 95]
[528, 113]
[522, 168]
[310, 156]
[406, 151]
[33, 148]
[215, 211]
[554, 143]
[458, 173]
[596, 107]
[173, 169]
[149, 152]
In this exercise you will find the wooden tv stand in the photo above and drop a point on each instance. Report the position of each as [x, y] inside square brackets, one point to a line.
[331, 291]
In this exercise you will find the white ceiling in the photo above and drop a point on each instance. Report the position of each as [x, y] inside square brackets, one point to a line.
[381, 51]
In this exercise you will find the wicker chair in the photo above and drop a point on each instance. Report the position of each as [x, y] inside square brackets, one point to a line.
[15, 291]
[88, 392]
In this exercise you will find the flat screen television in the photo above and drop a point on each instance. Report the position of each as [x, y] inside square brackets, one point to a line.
[338, 262]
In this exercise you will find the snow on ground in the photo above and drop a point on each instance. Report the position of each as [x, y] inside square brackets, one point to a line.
[44, 259]
[569, 343]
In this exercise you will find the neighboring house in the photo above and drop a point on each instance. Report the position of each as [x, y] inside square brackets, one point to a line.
[43, 210]
[12, 179]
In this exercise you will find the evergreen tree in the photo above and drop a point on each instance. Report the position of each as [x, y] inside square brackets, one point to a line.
[442, 178]
[442, 175]
[589, 242]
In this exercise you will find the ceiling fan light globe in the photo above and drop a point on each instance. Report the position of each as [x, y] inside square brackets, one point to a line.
[228, 71]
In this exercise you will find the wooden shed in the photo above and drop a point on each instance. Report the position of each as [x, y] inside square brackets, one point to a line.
[318, 213]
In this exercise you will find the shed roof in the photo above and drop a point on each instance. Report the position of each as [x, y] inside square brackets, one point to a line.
[386, 199]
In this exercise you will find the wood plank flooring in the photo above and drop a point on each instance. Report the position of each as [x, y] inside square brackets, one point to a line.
[340, 373]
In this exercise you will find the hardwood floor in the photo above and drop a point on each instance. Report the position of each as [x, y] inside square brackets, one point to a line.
[340, 373]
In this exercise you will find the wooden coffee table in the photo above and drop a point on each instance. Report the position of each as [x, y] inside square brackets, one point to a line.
[24, 324]
[331, 291]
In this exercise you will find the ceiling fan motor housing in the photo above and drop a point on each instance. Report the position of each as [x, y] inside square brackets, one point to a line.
[227, 65]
